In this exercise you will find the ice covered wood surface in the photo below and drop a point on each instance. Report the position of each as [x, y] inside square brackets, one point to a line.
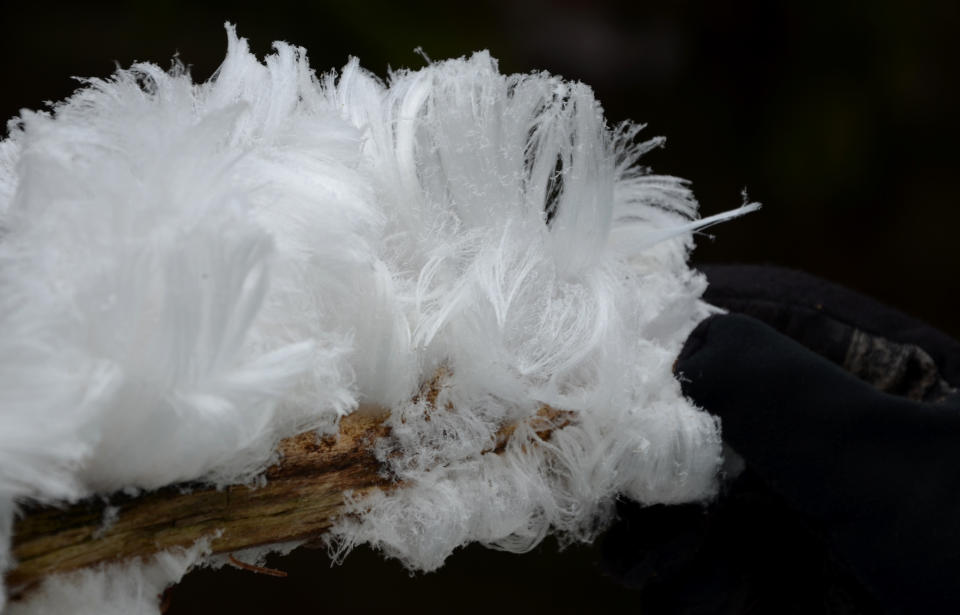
[298, 501]
[193, 271]
[300, 498]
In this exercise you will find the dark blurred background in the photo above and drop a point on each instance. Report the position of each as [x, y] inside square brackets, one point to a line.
[838, 117]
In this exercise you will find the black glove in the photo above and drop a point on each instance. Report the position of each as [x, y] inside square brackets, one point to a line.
[846, 415]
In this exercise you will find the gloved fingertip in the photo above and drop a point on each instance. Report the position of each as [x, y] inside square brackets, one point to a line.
[696, 340]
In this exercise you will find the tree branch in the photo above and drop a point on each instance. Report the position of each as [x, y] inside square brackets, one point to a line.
[301, 498]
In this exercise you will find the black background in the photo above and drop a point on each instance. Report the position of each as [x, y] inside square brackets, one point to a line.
[838, 117]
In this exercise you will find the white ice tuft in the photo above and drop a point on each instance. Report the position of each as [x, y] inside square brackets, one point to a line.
[191, 272]
[134, 587]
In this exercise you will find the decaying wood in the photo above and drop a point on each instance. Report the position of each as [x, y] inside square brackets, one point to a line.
[299, 500]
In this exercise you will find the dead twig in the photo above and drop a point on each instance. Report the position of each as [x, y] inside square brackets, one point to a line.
[301, 498]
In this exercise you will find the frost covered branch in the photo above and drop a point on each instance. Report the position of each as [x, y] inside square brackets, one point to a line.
[298, 501]
[191, 273]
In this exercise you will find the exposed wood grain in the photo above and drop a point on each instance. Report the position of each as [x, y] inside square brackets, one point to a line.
[299, 500]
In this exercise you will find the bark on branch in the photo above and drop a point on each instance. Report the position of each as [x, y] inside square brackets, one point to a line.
[302, 497]
[299, 501]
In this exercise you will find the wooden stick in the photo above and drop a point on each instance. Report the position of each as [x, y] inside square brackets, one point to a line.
[299, 501]
[301, 498]
[273, 572]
